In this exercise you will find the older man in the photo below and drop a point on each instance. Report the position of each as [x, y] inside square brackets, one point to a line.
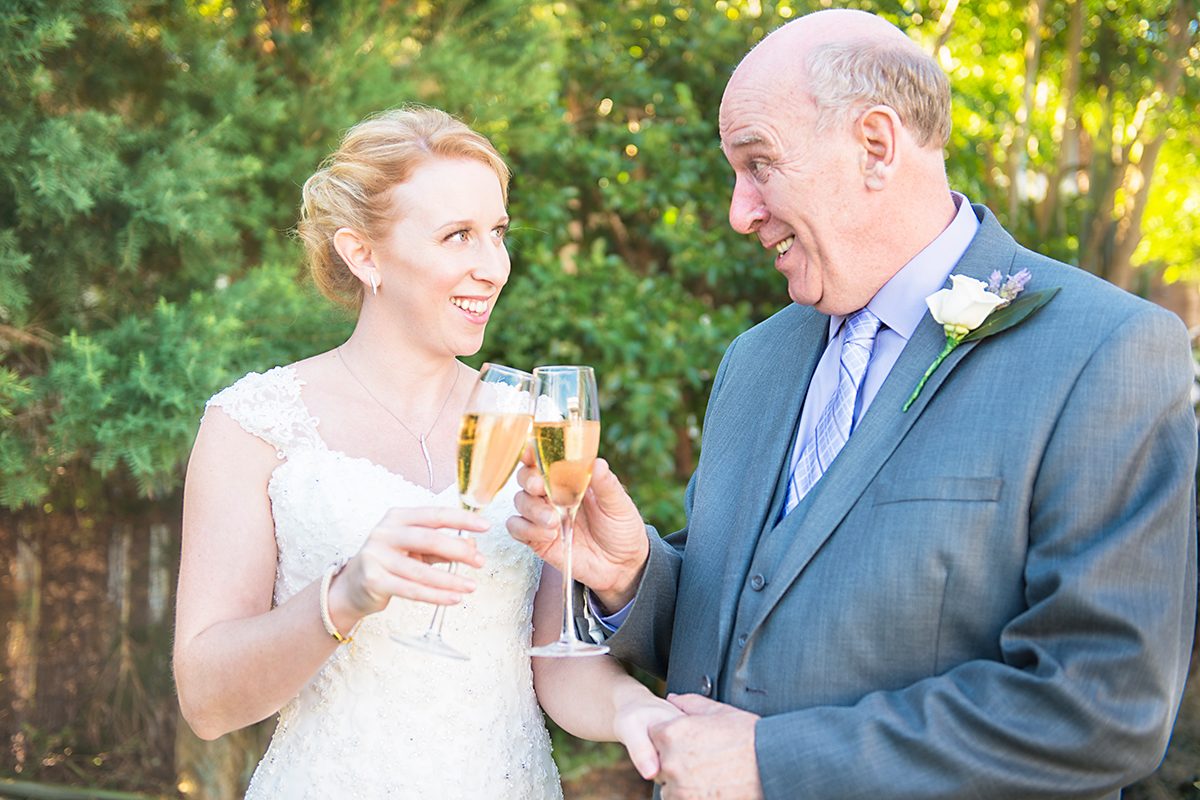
[987, 593]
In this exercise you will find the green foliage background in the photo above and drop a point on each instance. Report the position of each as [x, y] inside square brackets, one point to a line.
[153, 150]
[152, 153]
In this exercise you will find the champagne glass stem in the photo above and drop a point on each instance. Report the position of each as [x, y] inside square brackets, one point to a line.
[567, 517]
[568, 643]
[439, 614]
[431, 640]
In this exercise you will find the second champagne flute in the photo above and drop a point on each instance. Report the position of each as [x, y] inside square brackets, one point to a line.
[491, 438]
[566, 436]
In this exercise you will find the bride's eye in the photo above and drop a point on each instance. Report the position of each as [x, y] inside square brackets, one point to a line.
[459, 236]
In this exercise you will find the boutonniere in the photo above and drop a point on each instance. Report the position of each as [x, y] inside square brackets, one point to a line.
[971, 309]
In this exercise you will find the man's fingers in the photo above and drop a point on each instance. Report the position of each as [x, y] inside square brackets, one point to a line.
[696, 704]
[537, 510]
[531, 480]
[528, 457]
[606, 490]
[530, 535]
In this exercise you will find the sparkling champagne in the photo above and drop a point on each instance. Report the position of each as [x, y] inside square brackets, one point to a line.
[489, 446]
[566, 451]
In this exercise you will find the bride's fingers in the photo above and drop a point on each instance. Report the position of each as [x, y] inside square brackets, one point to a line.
[432, 546]
[384, 570]
[633, 723]
[454, 519]
[414, 580]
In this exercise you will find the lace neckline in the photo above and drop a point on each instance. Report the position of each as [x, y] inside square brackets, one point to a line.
[289, 372]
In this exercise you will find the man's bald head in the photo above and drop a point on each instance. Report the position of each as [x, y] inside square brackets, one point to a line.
[845, 61]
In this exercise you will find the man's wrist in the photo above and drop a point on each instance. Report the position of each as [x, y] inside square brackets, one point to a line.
[617, 597]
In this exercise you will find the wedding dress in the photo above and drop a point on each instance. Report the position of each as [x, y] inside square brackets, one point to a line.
[382, 720]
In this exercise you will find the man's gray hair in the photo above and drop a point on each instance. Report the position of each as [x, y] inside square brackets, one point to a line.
[846, 78]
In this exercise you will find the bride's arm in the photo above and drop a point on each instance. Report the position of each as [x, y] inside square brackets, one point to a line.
[593, 698]
[237, 660]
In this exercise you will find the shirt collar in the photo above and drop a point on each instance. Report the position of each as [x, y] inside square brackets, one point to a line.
[900, 304]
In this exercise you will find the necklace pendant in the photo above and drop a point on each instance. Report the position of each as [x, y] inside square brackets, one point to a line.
[428, 460]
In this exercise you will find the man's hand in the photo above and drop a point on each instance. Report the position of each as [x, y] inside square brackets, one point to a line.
[609, 545]
[708, 754]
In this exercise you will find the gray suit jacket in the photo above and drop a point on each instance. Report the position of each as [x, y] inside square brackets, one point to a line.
[992, 594]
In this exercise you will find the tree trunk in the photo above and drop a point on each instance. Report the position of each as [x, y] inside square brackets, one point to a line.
[26, 573]
[1066, 129]
[1018, 149]
[945, 24]
[1128, 229]
[161, 572]
[1102, 193]
[1139, 172]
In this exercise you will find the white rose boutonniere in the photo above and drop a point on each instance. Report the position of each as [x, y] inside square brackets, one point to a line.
[971, 309]
[963, 307]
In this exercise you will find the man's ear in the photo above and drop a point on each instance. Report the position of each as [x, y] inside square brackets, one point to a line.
[355, 251]
[878, 132]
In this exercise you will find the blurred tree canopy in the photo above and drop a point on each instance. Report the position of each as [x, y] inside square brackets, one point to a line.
[153, 152]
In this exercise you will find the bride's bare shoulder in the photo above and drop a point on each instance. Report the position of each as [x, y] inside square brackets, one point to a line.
[321, 370]
[324, 381]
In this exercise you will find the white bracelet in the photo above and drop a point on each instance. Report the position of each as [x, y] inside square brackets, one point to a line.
[326, 579]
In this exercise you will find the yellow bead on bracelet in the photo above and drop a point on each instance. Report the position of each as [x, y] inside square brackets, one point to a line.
[326, 579]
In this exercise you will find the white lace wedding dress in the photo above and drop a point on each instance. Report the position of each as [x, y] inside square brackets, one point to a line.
[381, 720]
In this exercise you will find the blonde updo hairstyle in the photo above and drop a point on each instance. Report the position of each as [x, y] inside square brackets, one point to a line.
[352, 187]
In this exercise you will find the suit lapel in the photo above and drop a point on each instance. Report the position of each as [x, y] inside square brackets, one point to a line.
[885, 425]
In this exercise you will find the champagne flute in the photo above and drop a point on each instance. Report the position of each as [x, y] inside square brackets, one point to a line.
[491, 438]
[566, 436]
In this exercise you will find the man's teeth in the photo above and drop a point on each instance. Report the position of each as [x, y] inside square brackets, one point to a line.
[785, 245]
[467, 304]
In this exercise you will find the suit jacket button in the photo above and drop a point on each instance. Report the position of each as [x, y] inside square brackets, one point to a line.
[743, 639]
[757, 582]
[706, 686]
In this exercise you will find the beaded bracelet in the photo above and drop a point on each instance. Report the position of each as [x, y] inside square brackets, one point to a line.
[326, 579]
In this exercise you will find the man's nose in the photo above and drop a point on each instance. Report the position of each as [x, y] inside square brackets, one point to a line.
[747, 212]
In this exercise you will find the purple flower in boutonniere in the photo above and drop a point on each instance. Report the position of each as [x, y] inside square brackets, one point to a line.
[971, 309]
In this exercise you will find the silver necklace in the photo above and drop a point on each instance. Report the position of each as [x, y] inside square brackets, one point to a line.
[420, 439]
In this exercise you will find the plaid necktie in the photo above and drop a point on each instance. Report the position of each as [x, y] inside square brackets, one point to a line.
[837, 420]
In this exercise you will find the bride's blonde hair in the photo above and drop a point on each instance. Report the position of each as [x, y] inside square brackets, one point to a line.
[351, 189]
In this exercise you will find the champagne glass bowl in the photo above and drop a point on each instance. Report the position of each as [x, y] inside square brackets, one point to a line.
[491, 437]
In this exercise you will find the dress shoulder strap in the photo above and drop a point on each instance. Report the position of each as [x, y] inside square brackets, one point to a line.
[268, 405]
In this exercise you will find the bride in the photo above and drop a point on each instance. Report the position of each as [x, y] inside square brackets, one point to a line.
[320, 504]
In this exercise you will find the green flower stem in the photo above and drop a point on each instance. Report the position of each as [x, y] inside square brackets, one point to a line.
[951, 343]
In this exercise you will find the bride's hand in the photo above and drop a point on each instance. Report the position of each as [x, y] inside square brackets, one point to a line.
[634, 719]
[399, 558]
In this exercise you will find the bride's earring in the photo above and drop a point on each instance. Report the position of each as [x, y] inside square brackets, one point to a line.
[374, 282]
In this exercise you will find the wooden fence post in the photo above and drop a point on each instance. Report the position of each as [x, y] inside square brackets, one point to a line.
[21, 651]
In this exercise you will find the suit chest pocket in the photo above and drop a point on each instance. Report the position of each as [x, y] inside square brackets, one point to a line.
[951, 559]
[963, 490]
